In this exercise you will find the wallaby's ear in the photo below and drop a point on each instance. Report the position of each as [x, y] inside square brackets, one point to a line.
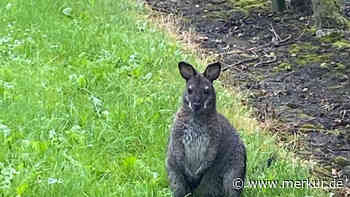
[212, 71]
[186, 70]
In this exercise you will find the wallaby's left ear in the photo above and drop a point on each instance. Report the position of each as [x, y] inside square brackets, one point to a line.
[186, 70]
[212, 71]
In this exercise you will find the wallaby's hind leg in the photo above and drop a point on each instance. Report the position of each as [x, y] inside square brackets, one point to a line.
[210, 186]
[178, 184]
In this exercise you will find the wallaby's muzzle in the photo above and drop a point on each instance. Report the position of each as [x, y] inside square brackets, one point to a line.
[196, 106]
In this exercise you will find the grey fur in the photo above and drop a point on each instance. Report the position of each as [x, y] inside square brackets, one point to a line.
[205, 154]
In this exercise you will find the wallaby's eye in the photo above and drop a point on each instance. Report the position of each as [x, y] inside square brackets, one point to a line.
[189, 90]
[206, 90]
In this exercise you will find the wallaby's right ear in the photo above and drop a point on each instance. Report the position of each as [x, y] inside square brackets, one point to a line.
[186, 70]
[212, 71]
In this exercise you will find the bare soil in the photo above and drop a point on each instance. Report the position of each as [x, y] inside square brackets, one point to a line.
[291, 76]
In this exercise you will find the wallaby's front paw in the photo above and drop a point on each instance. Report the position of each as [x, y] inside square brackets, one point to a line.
[198, 171]
[202, 168]
[188, 195]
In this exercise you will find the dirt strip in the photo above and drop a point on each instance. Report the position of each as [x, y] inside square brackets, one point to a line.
[298, 84]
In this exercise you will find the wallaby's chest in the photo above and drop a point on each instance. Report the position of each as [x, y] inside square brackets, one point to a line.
[196, 142]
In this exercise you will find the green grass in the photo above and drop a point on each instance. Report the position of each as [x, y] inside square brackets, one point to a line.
[86, 100]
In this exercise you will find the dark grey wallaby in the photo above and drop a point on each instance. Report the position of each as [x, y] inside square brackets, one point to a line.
[205, 154]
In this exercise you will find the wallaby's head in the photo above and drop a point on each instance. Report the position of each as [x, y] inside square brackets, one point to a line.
[199, 95]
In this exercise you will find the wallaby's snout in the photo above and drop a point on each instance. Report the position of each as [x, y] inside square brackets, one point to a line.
[196, 106]
[199, 95]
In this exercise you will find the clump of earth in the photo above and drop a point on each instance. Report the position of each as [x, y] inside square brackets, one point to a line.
[292, 75]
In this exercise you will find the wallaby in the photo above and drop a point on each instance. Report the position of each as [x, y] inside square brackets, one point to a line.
[205, 154]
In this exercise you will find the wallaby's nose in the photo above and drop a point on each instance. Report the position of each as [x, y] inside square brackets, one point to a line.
[196, 106]
[196, 99]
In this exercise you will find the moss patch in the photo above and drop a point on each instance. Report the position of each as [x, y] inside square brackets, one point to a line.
[304, 47]
[333, 37]
[217, 15]
[342, 44]
[306, 53]
[251, 4]
[284, 66]
[311, 58]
